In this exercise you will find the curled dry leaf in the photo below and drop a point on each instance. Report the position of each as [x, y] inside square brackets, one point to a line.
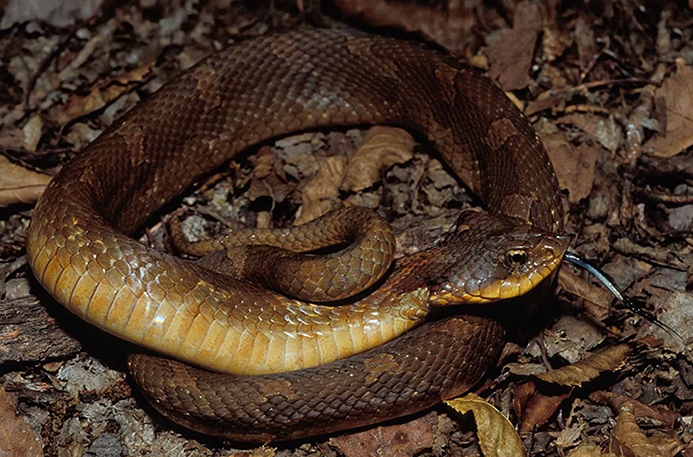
[497, 436]
[534, 408]
[629, 439]
[267, 178]
[382, 148]
[610, 359]
[674, 101]
[658, 414]
[320, 192]
[19, 185]
[101, 95]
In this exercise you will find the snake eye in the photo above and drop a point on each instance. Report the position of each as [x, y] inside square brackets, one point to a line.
[516, 257]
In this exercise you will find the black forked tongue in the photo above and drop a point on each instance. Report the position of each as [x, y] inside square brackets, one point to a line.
[579, 261]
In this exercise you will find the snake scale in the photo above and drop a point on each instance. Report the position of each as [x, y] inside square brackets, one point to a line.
[80, 247]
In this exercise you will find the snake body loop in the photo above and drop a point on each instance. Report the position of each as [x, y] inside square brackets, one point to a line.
[80, 247]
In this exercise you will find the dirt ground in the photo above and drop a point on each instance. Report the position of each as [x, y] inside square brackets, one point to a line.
[608, 86]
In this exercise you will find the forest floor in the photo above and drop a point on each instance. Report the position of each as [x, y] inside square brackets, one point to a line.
[608, 86]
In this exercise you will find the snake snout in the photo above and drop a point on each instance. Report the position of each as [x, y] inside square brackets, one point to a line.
[504, 264]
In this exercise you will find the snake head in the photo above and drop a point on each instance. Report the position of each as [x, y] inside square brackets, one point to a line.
[487, 258]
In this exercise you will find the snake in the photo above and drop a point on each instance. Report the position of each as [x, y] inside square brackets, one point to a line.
[205, 327]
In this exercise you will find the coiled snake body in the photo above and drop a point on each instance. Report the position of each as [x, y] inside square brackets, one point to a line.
[80, 249]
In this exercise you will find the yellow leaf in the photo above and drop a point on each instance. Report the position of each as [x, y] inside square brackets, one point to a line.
[630, 439]
[319, 195]
[19, 185]
[382, 148]
[497, 436]
[610, 359]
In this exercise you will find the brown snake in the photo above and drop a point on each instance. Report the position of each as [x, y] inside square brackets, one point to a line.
[80, 249]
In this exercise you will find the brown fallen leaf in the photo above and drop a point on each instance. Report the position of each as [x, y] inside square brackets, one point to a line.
[17, 439]
[511, 55]
[319, 195]
[629, 439]
[102, 94]
[609, 359]
[267, 178]
[382, 148]
[554, 43]
[497, 436]
[574, 166]
[262, 451]
[588, 50]
[589, 450]
[534, 404]
[450, 27]
[598, 297]
[397, 440]
[602, 129]
[656, 414]
[674, 106]
[19, 185]
[534, 408]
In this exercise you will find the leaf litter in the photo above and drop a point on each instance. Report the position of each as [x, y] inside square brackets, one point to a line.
[612, 108]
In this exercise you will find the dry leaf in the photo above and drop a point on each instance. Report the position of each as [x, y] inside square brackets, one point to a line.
[497, 436]
[610, 359]
[599, 296]
[589, 450]
[450, 27]
[16, 437]
[19, 185]
[32, 132]
[382, 148]
[629, 439]
[320, 192]
[99, 96]
[675, 97]
[603, 130]
[574, 166]
[267, 178]
[553, 44]
[656, 414]
[398, 440]
[574, 433]
[511, 55]
[262, 451]
[588, 49]
[534, 408]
